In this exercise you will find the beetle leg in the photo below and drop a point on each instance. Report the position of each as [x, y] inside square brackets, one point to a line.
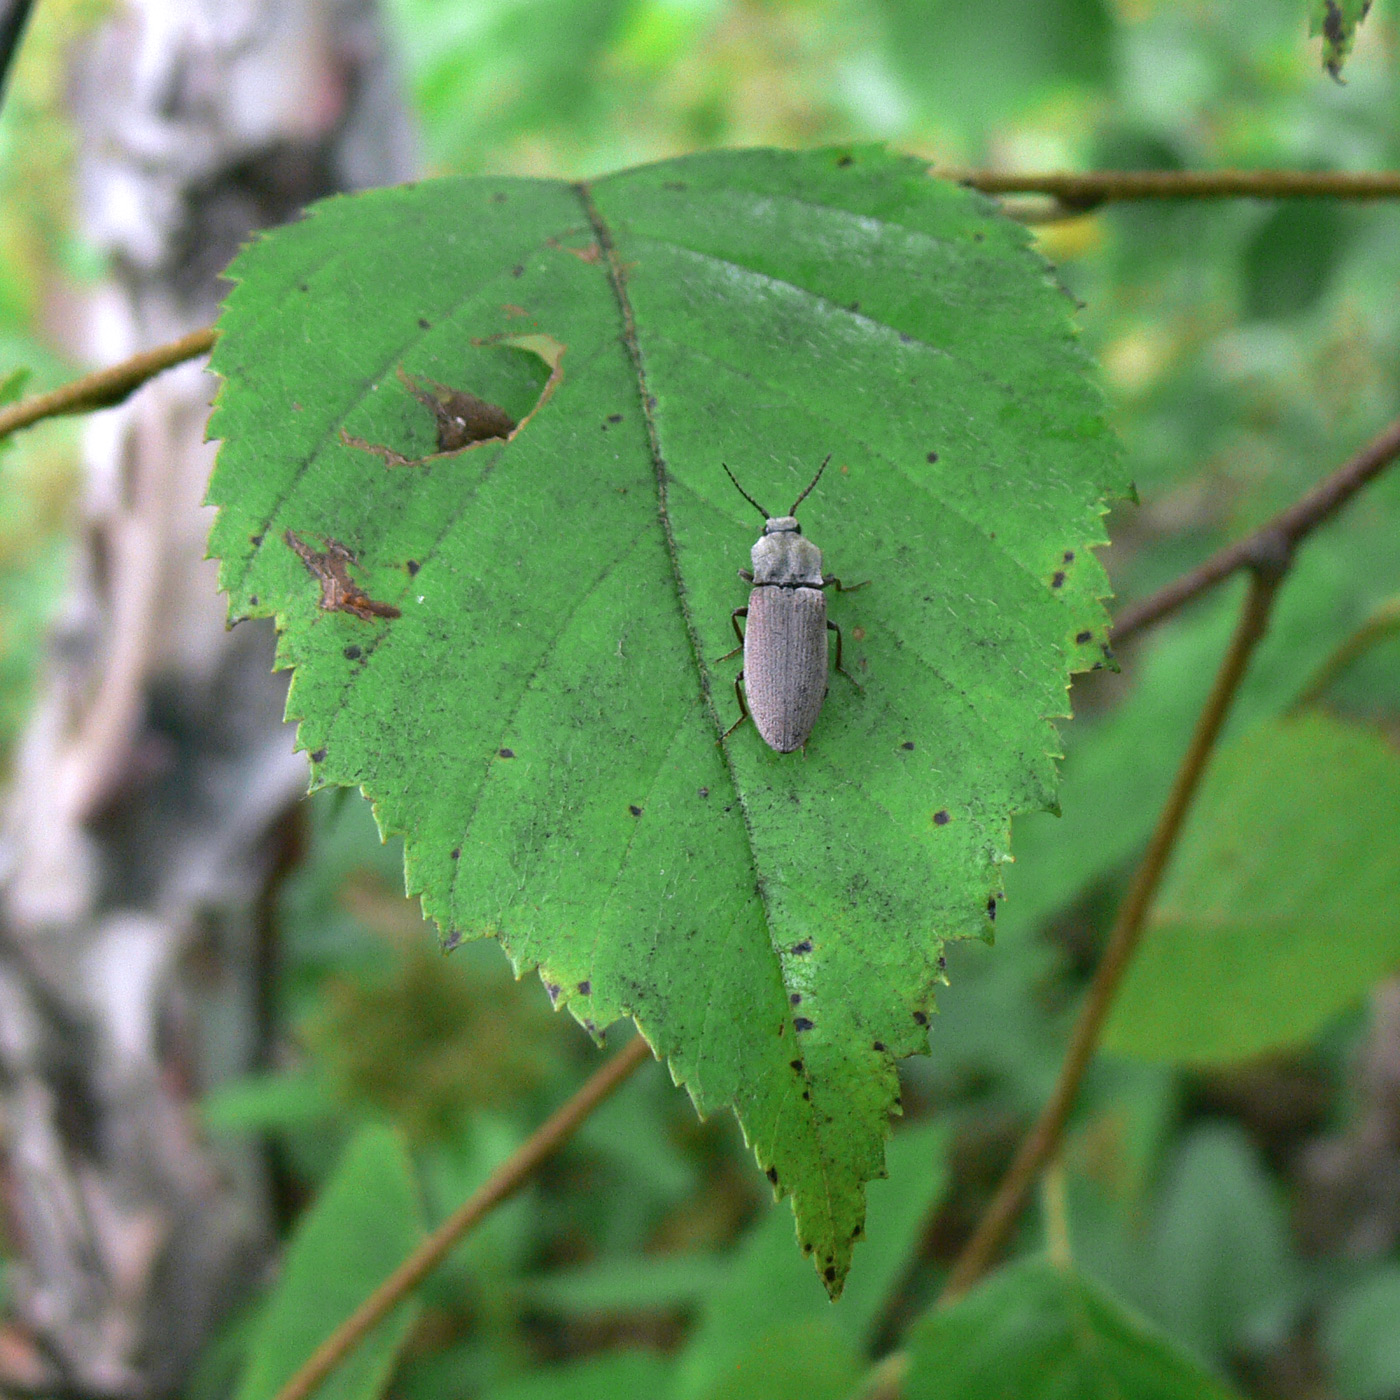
[743, 710]
[842, 587]
[832, 627]
[734, 618]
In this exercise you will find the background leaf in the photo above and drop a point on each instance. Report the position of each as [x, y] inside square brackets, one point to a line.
[361, 1227]
[1283, 903]
[541, 716]
[1033, 1332]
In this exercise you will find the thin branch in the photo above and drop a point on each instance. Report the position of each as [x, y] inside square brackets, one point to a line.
[503, 1183]
[105, 387]
[1291, 526]
[1270, 564]
[1082, 192]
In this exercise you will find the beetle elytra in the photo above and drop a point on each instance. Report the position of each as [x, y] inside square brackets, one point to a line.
[784, 643]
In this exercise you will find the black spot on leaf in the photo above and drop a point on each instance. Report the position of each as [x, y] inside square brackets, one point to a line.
[941, 817]
[1083, 637]
[920, 1018]
[878, 1047]
[932, 458]
[772, 1175]
[907, 744]
[635, 810]
[804, 947]
[319, 756]
[456, 853]
[584, 988]
[801, 1023]
[1059, 579]
[506, 753]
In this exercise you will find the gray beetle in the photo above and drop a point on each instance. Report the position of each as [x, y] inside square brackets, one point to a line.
[784, 644]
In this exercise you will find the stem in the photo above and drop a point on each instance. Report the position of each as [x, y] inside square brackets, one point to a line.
[503, 1183]
[1289, 527]
[1042, 1142]
[1082, 192]
[1381, 623]
[105, 387]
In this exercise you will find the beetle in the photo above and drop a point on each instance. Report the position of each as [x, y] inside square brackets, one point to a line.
[784, 643]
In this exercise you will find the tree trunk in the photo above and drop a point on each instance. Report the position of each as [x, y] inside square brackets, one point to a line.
[156, 772]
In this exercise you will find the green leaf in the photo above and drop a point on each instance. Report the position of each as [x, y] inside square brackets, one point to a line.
[628, 1283]
[1220, 1253]
[258, 1102]
[361, 1227]
[1361, 1337]
[1037, 1332]
[598, 1378]
[1336, 22]
[520, 672]
[1282, 905]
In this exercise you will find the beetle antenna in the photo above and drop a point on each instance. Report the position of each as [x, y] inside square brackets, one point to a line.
[749, 498]
[810, 484]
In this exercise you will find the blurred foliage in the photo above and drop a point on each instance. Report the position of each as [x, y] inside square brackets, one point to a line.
[1247, 348]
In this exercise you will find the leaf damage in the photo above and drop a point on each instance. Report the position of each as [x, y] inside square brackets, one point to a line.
[339, 592]
[462, 419]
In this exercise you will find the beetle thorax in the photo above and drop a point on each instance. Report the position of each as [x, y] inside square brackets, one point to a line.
[783, 556]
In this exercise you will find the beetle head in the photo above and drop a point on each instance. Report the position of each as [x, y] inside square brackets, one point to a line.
[779, 524]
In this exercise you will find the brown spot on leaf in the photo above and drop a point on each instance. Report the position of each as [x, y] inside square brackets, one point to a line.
[590, 253]
[858, 634]
[339, 592]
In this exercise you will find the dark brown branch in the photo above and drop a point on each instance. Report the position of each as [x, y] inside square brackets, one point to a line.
[1270, 563]
[503, 1183]
[1291, 526]
[1086, 191]
[106, 387]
